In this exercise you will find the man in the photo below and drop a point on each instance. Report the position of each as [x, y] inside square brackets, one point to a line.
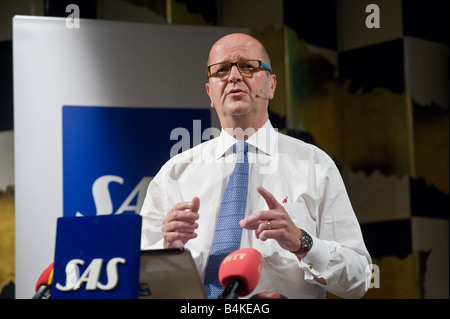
[297, 213]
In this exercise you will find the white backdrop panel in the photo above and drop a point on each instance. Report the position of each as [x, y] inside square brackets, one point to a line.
[103, 63]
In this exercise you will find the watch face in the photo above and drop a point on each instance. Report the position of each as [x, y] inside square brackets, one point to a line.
[307, 241]
[306, 244]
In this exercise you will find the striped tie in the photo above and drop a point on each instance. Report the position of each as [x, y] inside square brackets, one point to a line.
[228, 233]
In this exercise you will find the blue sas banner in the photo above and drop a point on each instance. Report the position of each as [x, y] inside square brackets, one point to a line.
[97, 257]
[110, 154]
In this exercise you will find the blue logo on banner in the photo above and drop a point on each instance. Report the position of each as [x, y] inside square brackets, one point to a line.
[97, 257]
[110, 154]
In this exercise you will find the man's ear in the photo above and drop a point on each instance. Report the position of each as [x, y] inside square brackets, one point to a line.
[273, 85]
[208, 91]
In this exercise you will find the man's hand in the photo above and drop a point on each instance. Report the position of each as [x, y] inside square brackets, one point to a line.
[273, 223]
[180, 224]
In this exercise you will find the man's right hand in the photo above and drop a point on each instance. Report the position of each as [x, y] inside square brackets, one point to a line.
[180, 224]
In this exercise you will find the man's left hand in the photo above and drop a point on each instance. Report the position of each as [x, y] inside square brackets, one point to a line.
[273, 223]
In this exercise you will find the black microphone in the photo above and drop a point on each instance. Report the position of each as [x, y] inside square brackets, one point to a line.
[268, 295]
[265, 97]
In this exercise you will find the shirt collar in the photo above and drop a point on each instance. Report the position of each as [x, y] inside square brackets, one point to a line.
[264, 139]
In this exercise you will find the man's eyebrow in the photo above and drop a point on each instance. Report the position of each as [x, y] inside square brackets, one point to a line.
[236, 60]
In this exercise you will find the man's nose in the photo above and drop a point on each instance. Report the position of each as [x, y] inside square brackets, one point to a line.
[234, 75]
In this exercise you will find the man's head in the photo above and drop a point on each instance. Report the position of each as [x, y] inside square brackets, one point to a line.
[240, 92]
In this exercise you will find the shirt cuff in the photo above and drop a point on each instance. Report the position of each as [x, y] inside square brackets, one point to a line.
[157, 245]
[316, 260]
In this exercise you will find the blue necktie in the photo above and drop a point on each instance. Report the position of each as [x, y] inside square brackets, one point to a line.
[227, 237]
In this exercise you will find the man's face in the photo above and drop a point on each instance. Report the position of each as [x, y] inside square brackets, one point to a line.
[236, 95]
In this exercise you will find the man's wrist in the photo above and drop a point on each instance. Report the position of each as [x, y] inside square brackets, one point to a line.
[306, 244]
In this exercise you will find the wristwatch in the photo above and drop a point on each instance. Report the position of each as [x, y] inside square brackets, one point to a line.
[306, 244]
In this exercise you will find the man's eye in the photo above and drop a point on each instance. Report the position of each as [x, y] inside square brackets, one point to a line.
[223, 69]
[246, 66]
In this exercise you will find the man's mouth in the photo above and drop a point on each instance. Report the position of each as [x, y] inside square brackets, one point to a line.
[236, 92]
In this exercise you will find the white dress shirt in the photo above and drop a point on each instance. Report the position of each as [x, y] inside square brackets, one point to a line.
[301, 177]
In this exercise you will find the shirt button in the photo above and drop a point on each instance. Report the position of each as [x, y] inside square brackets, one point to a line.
[310, 266]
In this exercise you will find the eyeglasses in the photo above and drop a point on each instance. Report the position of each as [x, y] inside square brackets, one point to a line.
[246, 68]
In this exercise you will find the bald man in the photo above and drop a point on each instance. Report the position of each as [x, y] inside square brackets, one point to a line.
[297, 213]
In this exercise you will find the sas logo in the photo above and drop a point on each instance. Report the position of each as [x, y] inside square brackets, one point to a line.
[91, 276]
[103, 201]
[97, 257]
[110, 154]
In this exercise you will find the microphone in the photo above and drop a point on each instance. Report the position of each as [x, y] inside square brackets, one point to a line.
[239, 273]
[268, 295]
[43, 284]
[265, 97]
